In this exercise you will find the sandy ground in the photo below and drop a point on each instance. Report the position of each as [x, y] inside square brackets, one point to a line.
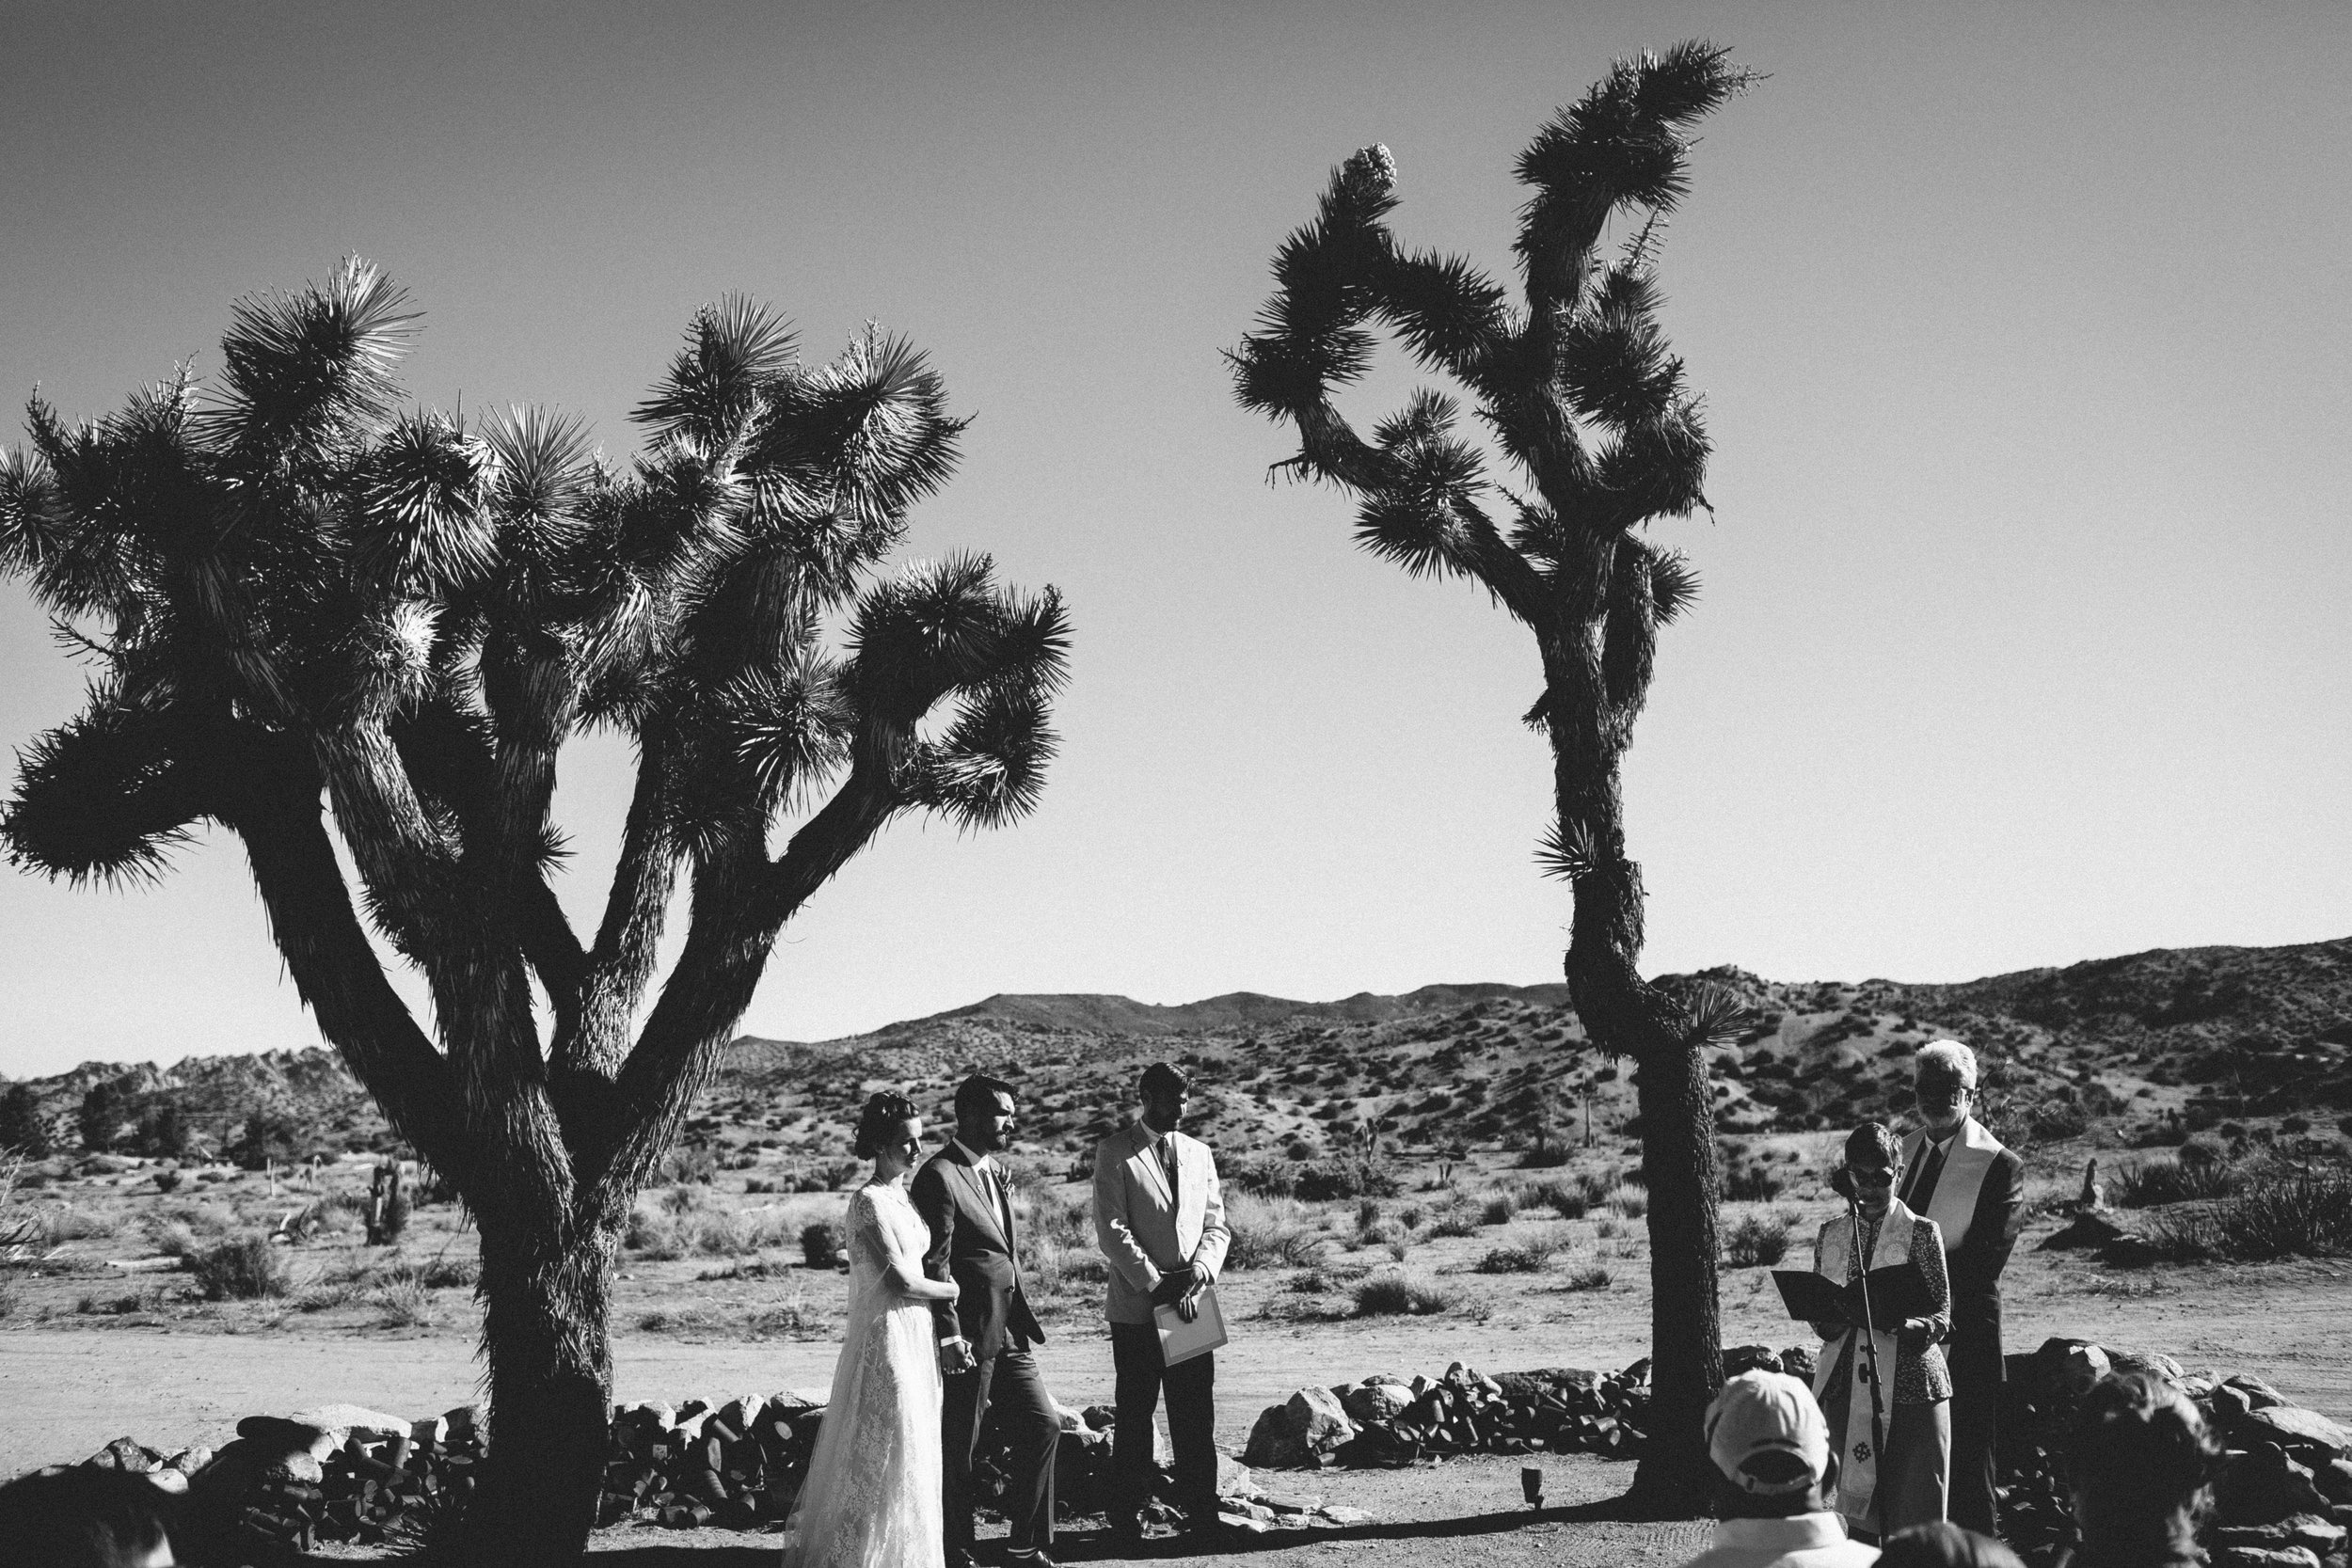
[66, 1390]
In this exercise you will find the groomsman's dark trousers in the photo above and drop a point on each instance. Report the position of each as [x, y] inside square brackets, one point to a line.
[1191, 1423]
[1008, 1386]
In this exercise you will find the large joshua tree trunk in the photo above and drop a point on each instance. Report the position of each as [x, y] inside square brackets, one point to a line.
[1624, 1016]
[544, 1292]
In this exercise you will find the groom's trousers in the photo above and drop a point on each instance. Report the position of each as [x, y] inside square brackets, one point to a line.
[1191, 1423]
[1008, 1386]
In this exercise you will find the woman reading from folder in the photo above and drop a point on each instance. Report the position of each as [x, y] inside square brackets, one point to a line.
[1882, 1492]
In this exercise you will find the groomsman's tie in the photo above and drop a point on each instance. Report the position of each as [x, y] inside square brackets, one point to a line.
[1168, 1165]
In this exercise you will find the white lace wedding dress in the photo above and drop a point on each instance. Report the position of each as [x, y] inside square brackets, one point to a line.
[872, 1495]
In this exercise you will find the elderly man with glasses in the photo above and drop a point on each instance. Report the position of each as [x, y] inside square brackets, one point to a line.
[1958, 1175]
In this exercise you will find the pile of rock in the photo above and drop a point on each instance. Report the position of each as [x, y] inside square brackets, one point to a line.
[739, 1464]
[2282, 1497]
[1389, 1420]
[337, 1473]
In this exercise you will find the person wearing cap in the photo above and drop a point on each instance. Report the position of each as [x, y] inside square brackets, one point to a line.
[1958, 1176]
[1159, 1218]
[1771, 1453]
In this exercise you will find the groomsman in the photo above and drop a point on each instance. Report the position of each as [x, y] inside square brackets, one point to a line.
[987, 1335]
[1159, 1218]
[1958, 1175]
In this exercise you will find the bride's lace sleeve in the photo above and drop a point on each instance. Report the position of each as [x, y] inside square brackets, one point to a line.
[869, 1239]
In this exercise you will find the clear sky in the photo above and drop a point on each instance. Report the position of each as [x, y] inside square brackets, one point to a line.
[2023, 330]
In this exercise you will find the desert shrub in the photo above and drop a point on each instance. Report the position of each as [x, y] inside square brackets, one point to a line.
[244, 1268]
[1392, 1293]
[1454, 1222]
[821, 1244]
[689, 1162]
[1609, 1230]
[1412, 1216]
[680, 1199]
[1757, 1242]
[756, 1186]
[1565, 1199]
[1048, 1219]
[2294, 1124]
[173, 1238]
[1368, 1214]
[1631, 1202]
[1594, 1278]
[1266, 1178]
[2305, 1213]
[2148, 1183]
[443, 1272]
[1498, 1208]
[165, 1180]
[791, 1316]
[404, 1303]
[1345, 1179]
[1529, 1254]
[654, 1236]
[1269, 1233]
[1745, 1182]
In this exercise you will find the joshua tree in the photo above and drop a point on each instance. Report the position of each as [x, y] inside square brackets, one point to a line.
[1576, 390]
[314, 617]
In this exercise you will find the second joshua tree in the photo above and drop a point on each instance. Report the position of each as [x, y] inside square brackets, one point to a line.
[1576, 387]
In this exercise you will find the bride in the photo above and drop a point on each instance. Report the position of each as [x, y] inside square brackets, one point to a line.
[872, 1496]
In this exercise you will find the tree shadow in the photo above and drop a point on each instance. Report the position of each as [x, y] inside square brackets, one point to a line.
[1100, 1545]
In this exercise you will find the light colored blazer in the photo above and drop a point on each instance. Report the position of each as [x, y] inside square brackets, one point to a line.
[1142, 1228]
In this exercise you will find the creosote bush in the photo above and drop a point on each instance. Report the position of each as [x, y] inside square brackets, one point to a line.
[821, 1244]
[1757, 1242]
[245, 1268]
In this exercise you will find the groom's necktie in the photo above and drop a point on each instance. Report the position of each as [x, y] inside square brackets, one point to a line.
[1922, 1190]
[1167, 1166]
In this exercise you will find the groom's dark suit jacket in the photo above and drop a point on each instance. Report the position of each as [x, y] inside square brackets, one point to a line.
[971, 1250]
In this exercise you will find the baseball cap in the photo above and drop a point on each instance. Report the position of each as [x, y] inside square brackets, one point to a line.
[1766, 1434]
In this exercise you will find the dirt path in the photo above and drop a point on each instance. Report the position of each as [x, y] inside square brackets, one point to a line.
[66, 1391]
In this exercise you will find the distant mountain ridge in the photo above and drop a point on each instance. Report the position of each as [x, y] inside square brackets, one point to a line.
[2144, 1034]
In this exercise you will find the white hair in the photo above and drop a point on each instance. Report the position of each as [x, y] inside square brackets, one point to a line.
[1948, 1059]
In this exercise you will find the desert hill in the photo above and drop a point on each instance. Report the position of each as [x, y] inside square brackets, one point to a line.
[2152, 1044]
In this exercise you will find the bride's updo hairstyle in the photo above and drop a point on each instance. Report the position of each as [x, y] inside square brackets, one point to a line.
[883, 1114]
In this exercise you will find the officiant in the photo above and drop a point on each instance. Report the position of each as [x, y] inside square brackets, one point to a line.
[1159, 1218]
[1885, 1392]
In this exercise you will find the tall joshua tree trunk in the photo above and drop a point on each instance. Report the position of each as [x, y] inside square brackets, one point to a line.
[302, 597]
[1578, 390]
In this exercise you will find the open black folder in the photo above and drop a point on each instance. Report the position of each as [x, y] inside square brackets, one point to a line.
[1897, 1292]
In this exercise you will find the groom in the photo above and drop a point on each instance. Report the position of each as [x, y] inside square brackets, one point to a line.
[986, 1334]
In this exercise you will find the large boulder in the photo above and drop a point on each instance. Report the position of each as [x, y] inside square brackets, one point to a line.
[1376, 1399]
[2295, 1427]
[1302, 1432]
[2262, 1485]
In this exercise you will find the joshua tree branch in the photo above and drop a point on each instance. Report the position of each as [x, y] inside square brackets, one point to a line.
[267, 792]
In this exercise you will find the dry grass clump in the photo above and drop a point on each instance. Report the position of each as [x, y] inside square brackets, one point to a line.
[1392, 1293]
[1269, 1233]
[1594, 1278]
[1529, 1254]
